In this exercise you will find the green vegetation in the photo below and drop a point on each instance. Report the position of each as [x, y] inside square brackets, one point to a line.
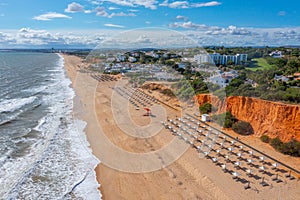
[259, 64]
[186, 88]
[256, 79]
[291, 148]
[267, 87]
[168, 92]
[221, 93]
[183, 90]
[243, 128]
[254, 52]
[225, 119]
[199, 86]
[205, 108]
[111, 73]
[265, 138]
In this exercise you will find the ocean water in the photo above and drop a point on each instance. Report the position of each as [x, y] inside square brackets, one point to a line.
[44, 153]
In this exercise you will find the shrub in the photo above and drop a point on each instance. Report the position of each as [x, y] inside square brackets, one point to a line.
[225, 119]
[168, 92]
[205, 108]
[141, 81]
[265, 138]
[243, 128]
[221, 93]
[291, 148]
[276, 143]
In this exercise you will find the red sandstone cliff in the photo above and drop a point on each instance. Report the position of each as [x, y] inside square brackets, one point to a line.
[266, 117]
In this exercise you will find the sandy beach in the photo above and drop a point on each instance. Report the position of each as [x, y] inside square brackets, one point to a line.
[188, 177]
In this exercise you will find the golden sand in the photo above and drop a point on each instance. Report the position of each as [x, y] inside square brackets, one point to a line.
[189, 177]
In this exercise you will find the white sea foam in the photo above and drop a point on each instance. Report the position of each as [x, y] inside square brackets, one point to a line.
[7, 119]
[42, 121]
[11, 105]
[35, 90]
[88, 189]
[61, 165]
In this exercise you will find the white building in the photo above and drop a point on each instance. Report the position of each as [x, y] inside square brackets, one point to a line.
[242, 57]
[205, 118]
[218, 59]
[121, 58]
[218, 80]
[276, 54]
[223, 78]
[281, 78]
[202, 58]
[132, 59]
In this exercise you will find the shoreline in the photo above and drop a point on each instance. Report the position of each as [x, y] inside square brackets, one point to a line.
[69, 63]
[188, 177]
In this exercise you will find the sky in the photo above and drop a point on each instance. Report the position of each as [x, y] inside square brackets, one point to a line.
[87, 23]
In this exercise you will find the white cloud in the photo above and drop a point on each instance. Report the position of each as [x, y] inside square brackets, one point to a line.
[152, 4]
[132, 10]
[147, 4]
[180, 17]
[33, 38]
[207, 4]
[187, 25]
[100, 11]
[143, 39]
[113, 8]
[212, 30]
[122, 14]
[51, 15]
[27, 36]
[204, 35]
[88, 11]
[230, 30]
[187, 4]
[179, 4]
[120, 2]
[114, 25]
[5, 38]
[287, 34]
[164, 3]
[94, 2]
[74, 7]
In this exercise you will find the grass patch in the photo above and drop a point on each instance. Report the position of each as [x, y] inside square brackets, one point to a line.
[259, 64]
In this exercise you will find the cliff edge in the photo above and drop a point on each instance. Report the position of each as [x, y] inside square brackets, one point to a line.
[266, 117]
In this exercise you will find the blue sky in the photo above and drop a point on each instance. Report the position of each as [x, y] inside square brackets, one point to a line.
[226, 22]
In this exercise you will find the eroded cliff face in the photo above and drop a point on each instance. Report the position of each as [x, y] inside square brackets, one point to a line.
[267, 118]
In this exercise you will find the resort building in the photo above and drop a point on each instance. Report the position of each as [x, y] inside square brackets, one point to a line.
[219, 59]
[281, 78]
[276, 54]
[202, 58]
[223, 78]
